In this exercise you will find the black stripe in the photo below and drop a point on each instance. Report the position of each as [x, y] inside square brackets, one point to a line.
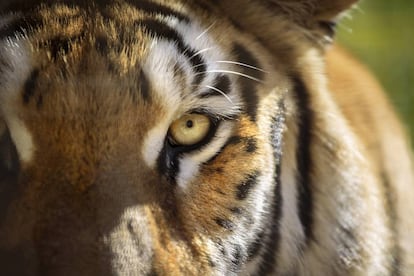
[303, 156]
[225, 223]
[20, 26]
[144, 86]
[234, 140]
[256, 246]
[102, 45]
[237, 257]
[244, 188]
[220, 247]
[161, 30]
[39, 102]
[236, 210]
[155, 8]
[251, 145]
[247, 85]
[223, 84]
[167, 163]
[60, 45]
[9, 170]
[30, 85]
[268, 263]
[396, 252]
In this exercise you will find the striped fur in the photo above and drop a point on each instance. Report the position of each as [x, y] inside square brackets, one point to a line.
[305, 169]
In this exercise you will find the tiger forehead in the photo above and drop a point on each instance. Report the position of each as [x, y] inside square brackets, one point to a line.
[120, 34]
[94, 42]
[119, 54]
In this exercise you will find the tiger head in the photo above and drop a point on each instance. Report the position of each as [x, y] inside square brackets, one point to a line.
[147, 137]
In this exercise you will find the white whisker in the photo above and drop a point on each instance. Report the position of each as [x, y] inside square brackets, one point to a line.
[196, 66]
[231, 72]
[242, 64]
[200, 52]
[220, 91]
[205, 31]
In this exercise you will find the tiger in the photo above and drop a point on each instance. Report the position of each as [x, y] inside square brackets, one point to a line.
[196, 137]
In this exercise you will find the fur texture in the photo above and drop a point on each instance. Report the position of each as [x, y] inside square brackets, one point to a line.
[304, 170]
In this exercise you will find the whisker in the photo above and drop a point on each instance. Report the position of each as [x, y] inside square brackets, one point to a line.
[242, 64]
[196, 66]
[231, 72]
[219, 91]
[198, 53]
[205, 31]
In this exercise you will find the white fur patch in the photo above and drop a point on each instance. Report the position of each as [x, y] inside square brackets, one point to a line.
[17, 67]
[129, 256]
[153, 143]
[159, 68]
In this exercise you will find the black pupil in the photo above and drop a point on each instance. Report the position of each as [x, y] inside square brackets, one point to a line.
[190, 124]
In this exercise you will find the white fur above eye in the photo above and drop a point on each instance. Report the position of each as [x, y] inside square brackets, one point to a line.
[153, 143]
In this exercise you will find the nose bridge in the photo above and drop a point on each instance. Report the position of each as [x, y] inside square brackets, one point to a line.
[123, 194]
[88, 190]
[100, 228]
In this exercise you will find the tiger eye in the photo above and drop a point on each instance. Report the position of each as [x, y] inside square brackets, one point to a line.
[189, 129]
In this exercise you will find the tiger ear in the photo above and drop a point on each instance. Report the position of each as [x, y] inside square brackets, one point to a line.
[329, 10]
[325, 10]
[318, 15]
[267, 18]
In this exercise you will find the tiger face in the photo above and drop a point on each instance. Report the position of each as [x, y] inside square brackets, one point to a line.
[168, 138]
[138, 140]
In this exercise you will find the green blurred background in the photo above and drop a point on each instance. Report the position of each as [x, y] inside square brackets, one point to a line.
[381, 34]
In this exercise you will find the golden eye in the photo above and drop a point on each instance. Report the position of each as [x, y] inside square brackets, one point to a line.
[189, 129]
